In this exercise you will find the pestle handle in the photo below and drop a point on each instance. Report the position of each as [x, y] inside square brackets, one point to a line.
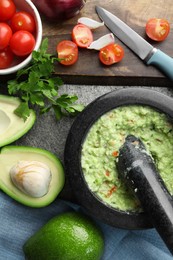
[139, 171]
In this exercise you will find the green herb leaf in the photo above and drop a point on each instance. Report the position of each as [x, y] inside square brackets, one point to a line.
[74, 109]
[58, 112]
[37, 86]
[13, 87]
[22, 111]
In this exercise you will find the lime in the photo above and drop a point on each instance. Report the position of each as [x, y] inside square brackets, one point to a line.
[68, 236]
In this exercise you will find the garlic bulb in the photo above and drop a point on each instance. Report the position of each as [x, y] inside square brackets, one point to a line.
[31, 177]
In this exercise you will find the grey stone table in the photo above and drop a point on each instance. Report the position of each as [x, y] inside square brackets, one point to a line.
[49, 134]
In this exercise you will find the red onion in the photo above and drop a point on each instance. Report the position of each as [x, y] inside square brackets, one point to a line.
[59, 9]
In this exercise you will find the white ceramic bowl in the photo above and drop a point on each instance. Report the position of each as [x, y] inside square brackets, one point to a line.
[28, 6]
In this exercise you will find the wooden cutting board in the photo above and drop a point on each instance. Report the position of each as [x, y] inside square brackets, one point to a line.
[131, 70]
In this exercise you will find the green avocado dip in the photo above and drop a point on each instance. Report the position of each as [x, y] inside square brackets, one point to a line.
[101, 146]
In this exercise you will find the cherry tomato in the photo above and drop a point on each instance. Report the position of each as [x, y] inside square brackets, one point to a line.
[111, 54]
[22, 43]
[23, 21]
[82, 35]
[6, 58]
[68, 52]
[157, 29]
[5, 35]
[7, 10]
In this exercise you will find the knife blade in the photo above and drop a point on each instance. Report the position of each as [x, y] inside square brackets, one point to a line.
[144, 50]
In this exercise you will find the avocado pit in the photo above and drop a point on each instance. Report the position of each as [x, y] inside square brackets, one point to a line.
[31, 177]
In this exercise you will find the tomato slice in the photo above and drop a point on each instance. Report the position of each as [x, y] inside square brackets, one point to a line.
[22, 43]
[82, 35]
[6, 58]
[67, 52]
[23, 21]
[5, 35]
[157, 29]
[111, 54]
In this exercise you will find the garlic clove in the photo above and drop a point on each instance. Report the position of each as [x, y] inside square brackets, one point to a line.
[31, 177]
[92, 24]
[102, 42]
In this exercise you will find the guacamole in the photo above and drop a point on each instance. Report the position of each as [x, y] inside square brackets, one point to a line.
[101, 147]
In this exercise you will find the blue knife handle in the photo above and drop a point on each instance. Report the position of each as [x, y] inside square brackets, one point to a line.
[163, 62]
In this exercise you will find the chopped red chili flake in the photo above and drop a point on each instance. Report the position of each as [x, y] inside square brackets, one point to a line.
[115, 153]
[113, 189]
[107, 173]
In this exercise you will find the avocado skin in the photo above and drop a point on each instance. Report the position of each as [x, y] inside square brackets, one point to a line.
[68, 236]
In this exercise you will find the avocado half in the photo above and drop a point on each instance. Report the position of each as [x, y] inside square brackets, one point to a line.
[12, 127]
[10, 155]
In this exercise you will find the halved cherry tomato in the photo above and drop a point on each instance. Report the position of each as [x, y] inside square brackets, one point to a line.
[7, 10]
[111, 54]
[6, 58]
[82, 35]
[22, 43]
[157, 29]
[5, 35]
[22, 21]
[67, 52]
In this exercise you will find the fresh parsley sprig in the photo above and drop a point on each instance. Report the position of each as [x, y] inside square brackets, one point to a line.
[36, 86]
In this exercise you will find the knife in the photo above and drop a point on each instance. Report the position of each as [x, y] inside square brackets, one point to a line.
[145, 51]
